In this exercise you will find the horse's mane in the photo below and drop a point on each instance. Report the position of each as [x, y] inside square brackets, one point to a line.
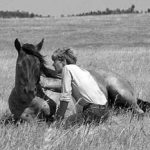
[30, 50]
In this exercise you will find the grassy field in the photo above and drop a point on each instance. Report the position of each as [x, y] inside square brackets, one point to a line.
[119, 43]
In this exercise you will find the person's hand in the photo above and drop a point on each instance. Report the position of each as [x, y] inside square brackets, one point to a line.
[44, 88]
[48, 88]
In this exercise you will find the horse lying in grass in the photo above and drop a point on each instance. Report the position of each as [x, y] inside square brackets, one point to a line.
[27, 100]
[24, 101]
[118, 91]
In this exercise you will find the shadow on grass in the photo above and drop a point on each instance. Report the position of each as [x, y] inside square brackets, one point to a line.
[8, 119]
[74, 120]
[114, 118]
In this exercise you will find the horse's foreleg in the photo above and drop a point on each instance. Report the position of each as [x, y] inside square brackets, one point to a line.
[44, 107]
[35, 109]
[51, 103]
[40, 105]
[28, 114]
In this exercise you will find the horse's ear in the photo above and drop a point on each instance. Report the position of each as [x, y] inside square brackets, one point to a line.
[39, 46]
[17, 45]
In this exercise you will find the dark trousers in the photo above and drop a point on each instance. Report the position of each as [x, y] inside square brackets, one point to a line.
[96, 113]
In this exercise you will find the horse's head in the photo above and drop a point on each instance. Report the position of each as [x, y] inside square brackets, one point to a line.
[28, 67]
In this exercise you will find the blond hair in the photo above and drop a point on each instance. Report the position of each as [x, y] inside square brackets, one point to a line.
[64, 54]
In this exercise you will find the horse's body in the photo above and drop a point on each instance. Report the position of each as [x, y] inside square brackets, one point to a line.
[23, 101]
[118, 91]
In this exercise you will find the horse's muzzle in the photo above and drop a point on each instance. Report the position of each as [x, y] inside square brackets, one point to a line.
[30, 92]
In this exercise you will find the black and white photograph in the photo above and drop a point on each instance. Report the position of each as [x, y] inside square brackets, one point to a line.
[74, 75]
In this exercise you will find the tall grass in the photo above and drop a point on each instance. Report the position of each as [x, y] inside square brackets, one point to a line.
[117, 43]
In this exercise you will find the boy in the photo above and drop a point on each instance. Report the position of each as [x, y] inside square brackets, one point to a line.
[80, 84]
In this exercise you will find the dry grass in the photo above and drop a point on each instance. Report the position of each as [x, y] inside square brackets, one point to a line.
[116, 43]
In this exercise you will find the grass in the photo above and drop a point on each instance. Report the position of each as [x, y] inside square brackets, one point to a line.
[120, 134]
[118, 43]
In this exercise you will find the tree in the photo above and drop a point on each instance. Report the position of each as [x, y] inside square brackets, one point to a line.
[132, 8]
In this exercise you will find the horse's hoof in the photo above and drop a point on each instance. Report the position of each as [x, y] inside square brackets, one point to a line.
[139, 111]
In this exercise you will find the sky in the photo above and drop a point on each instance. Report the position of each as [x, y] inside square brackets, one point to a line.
[58, 7]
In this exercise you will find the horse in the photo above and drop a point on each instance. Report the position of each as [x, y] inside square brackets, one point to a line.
[118, 91]
[27, 99]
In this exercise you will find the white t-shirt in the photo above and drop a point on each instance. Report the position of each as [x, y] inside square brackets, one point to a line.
[81, 85]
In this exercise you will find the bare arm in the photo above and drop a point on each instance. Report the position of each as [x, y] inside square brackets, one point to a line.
[51, 84]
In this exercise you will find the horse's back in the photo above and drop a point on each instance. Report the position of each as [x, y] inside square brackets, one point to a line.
[118, 88]
[120, 85]
[112, 80]
[100, 77]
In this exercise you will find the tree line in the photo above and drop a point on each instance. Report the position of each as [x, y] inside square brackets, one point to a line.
[25, 14]
[130, 10]
[17, 14]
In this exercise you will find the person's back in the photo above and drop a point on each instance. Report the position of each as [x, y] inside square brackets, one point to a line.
[84, 87]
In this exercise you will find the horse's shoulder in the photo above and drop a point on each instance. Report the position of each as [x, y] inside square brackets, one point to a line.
[12, 95]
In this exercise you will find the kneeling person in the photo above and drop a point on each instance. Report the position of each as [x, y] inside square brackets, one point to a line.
[79, 84]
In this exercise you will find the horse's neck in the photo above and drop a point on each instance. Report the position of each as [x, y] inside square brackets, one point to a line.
[18, 90]
[20, 95]
[18, 87]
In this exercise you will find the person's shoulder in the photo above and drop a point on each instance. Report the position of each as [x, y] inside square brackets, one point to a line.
[70, 66]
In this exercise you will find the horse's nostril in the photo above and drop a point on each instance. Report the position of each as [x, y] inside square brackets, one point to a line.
[35, 90]
[25, 90]
[30, 91]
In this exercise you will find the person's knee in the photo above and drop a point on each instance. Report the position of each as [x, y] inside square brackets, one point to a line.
[96, 113]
